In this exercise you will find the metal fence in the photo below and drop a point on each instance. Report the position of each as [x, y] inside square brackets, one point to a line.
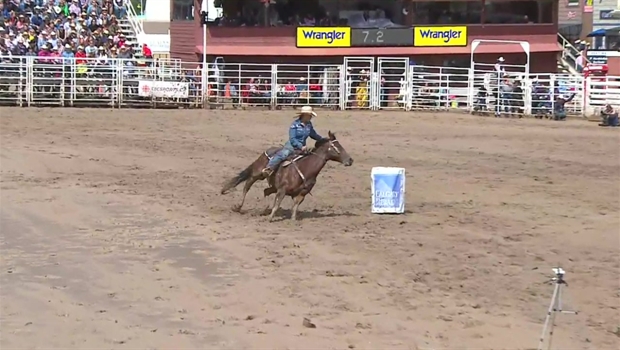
[363, 83]
[103, 82]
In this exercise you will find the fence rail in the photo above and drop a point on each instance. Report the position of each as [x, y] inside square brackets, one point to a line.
[359, 83]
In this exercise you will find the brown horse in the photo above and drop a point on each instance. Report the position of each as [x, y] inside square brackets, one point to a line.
[295, 177]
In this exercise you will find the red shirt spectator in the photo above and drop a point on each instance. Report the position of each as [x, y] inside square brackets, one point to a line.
[80, 56]
[290, 88]
[146, 51]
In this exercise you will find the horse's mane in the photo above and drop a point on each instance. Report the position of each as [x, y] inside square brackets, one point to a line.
[323, 141]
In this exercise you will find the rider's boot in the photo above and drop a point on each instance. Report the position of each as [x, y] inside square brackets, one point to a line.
[267, 172]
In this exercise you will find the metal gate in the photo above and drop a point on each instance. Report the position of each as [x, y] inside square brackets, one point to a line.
[392, 82]
[502, 93]
[360, 84]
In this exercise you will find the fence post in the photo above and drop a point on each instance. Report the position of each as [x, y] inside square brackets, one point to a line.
[470, 89]
[587, 108]
[342, 87]
[117, 89]
[274, 86]
[552, 86]
[21, 88]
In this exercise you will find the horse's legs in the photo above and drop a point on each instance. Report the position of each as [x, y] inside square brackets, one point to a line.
[266, 193]
[248, 184]
[297, 202]
[276, 203]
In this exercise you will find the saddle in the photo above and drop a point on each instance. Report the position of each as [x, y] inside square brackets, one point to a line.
[297, 155]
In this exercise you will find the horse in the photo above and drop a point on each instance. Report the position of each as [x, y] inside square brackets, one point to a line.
[294, 177]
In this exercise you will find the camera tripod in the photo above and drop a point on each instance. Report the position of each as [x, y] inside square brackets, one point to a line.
[554, 307]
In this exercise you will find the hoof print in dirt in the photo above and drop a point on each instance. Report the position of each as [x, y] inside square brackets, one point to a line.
[308, 324]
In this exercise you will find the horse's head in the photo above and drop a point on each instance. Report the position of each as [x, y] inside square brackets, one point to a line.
[334, 150]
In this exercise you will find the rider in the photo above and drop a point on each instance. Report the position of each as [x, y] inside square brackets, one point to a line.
[298, 133]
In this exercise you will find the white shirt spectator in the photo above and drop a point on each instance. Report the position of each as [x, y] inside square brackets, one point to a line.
[102, 58]
[579, 60]
[499, 66]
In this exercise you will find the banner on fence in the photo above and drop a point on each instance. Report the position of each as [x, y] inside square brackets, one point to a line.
[163, 89]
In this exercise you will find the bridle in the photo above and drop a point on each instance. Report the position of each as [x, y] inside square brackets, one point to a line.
[332, 146]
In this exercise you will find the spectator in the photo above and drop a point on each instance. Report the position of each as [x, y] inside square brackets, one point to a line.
[63, 29]
[146, 51]
[609, 116]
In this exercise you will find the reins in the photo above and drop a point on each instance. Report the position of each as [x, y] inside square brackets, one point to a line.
[324, 158]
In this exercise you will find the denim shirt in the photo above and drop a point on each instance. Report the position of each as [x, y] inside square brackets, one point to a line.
[299, 133]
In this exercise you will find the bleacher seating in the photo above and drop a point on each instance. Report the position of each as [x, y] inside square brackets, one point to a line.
[78, 28]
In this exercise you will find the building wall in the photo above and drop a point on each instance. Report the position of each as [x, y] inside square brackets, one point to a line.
[183, 35]
[182, 40]
[600, 8]
[570, 18]
[569, 12]
[186, 35]
[539, 62]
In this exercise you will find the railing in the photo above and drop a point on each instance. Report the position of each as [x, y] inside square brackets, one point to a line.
[570, 54]
[601, 91]
[132, 18]
[385, 84]
[116, 83]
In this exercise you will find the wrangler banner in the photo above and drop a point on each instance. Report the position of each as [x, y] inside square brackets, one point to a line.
[440, 36]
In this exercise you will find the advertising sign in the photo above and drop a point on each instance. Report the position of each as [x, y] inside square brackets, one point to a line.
[388, 190]
[323, 37]
[440, 36]
[167, 89]
[605, 14]
[158, 43]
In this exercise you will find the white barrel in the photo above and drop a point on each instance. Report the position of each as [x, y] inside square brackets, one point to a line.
[388, 190]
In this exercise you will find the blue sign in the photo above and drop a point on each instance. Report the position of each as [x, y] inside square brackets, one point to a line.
[388, 190]
[605, 14]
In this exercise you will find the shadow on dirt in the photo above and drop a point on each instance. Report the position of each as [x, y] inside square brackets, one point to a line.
[285, 214]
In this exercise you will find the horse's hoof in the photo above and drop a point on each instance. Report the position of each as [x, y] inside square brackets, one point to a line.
[236, 208]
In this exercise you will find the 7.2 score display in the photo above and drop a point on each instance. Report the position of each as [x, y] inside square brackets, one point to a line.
[322, 37]
[387, 37]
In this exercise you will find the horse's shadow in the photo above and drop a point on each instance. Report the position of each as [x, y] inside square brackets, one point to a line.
[285, 214]
[312, 214]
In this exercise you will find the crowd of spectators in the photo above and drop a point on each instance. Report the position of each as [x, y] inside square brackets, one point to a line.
[57, 31]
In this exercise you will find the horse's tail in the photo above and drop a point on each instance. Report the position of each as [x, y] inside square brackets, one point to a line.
[242, 176]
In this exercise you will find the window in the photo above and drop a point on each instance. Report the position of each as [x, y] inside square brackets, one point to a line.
[572, 3]
[183, 10]
[514, 12]
[447, 12]
[613, 43]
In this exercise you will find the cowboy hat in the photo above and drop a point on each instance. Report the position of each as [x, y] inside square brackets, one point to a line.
[501, 59]
[307, 110]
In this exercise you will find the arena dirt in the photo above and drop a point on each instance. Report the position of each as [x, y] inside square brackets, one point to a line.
[114, 234]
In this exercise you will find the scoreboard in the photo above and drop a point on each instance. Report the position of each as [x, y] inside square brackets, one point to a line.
[324, 37]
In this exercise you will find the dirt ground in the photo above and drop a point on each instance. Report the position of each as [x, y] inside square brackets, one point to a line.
[114, 234]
